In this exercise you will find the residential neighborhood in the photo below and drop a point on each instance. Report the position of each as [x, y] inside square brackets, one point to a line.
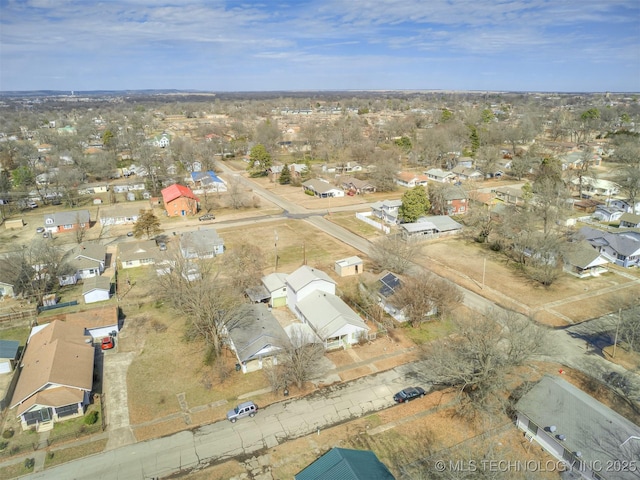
[334, 271]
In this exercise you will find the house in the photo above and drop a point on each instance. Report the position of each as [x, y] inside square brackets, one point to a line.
[578, 430]
[455, 201]
[137, 254]
[582, 260]
[6, 290]
[606, 214]
[349, 266]
[67, 221]
[296, 169]
[208, 181]
[8, 355]
[410, 180]
[276, 285]
[179, 201]
[97, 322]
[201, 244]
[337, 325]
[387, 210]
[56, 376]
[96, 289]
[597, 186]
[630, 220]
[439, 175]
[353, 185]
[119, 215]
[346, 464]
[388, 284]
[258, 339]
[86, 260]
[463, 173]
[322, 188]
[510, 195]
[621, 248]
[625, 205]
[433, 226]
[304, 281]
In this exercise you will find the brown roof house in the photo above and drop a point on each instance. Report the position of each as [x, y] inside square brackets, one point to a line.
[56, 376]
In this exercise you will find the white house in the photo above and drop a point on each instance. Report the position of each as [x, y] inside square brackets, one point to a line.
[321, 188]
[119, 215]
[337, 325]
[306, 280]
[138, 254]
[87, 260]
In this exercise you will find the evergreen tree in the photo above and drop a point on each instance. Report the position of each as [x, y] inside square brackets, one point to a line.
[147, 224]
[415, 203]
[285, 175]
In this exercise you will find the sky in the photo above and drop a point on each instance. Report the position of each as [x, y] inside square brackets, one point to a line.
[223, 45]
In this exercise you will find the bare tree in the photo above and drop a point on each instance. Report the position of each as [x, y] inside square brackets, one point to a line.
[301, 359]
[480, 356]
[425, 296]
[195, 290]
[393, 253]
[236, 193]
[246, 262]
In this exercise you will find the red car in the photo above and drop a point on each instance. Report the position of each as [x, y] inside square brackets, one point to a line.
[107, 343]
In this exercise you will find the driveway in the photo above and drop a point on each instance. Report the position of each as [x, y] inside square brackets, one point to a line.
[114, 385]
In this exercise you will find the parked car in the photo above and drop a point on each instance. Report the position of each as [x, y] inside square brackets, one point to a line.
[163, 246]
[408, 394]
[107, 343]
[40, 230]
[129, 234]
[206, 216]
[246, 409]
[32, 205]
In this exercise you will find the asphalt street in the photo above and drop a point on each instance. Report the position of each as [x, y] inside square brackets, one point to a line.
[272, 425]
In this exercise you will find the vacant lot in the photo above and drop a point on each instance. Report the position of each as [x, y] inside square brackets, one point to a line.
[468, 264]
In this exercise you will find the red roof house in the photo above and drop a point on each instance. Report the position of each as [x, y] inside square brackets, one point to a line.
[179, 201]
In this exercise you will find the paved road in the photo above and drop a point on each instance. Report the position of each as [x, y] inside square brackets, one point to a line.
[222, 440]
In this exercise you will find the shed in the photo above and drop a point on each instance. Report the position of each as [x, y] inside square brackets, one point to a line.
[349, 266]
[8, 355]
[96, 289]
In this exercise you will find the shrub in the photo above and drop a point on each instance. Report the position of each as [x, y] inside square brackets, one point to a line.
[8, 433]
[91, 418]
[3, 445]
[29, 463]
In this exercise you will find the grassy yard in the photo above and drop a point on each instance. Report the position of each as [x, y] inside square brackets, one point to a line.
[63, 455]
[14, 471]
[428, 331]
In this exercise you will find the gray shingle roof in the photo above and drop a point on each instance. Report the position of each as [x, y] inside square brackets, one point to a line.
[589, 426]
[328, 313]
[262, 331]
[67, 218]
[304, 275]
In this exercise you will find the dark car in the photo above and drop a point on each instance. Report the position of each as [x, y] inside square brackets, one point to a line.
[40, 230]
[207, 216]
[408, 394]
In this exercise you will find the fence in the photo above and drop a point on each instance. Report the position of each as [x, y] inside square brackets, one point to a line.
[365, 218]
[10, 317]
[57, 305]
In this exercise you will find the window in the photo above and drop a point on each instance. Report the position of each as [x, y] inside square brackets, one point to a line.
[461, 209]
[67, 410]
[67, 227]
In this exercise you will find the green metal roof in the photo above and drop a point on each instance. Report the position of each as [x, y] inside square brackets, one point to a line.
[346, 464]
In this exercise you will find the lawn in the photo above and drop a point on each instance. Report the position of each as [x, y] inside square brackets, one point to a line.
[63, 455]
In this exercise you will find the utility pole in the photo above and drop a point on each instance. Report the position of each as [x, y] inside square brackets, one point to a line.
[484, 269]
[276, 244]
[615, 341]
